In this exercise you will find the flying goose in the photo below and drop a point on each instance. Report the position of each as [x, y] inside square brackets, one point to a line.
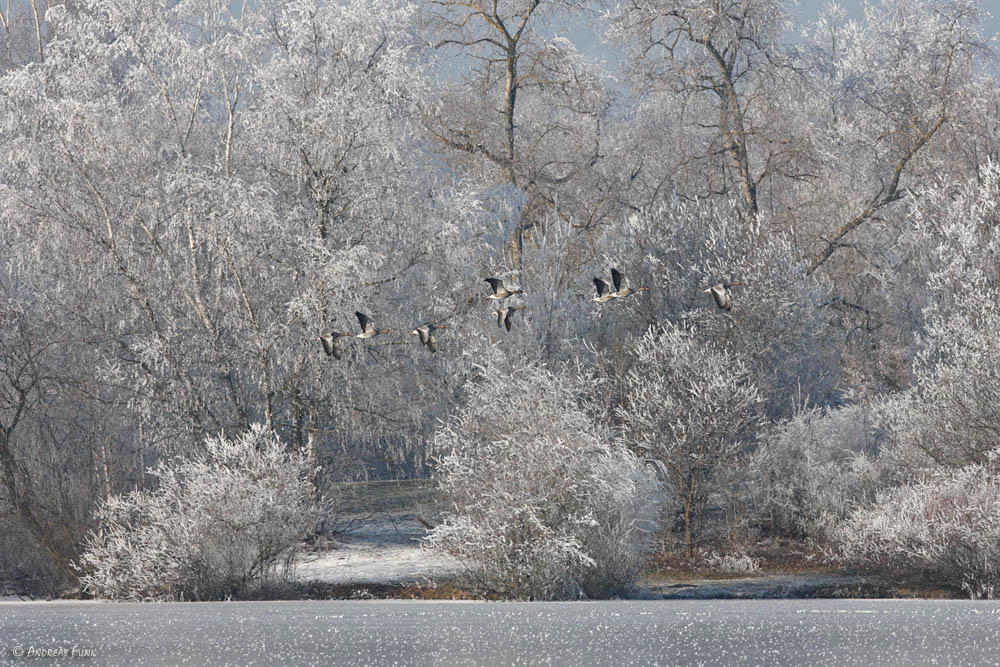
[426, 333]
[505, 315]
[330, 343]
[603, 291]
[720, 292]
[622, 290]
[368, 329]
[499, 291]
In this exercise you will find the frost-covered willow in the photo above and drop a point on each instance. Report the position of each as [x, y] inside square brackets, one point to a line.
[943, 527]
[220, 524]
[691, 409]
[779, 325]
[543, 503]
[951, 415]
[897, 106]
[192, 193]
[809, 472]
[212, 190]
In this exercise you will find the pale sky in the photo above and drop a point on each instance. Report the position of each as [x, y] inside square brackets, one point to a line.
[809, 11]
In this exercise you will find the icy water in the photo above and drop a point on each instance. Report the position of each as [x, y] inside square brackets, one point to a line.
[698, 632]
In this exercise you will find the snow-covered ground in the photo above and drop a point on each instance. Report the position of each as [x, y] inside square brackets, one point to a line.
[379, 552]
[390, 552]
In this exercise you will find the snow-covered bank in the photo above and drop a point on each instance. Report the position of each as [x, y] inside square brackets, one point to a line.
[381, 552]
[391, 552]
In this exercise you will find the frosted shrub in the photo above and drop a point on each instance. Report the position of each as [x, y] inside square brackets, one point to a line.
[732, 563]
[220, 524]
[951, 414]
[912, 436]
[945, 526]
[691, 408]
[544, 505]
[808, 471]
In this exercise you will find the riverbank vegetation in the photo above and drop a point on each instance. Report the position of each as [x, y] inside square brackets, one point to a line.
[192, 194]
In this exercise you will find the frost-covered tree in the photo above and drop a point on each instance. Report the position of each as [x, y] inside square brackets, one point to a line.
[943, 527]
[950, 415]
[193, 193]
[145, 240]
[778, 326]
[379, 224]
[937, 457]
[892, 83]
[716, 74]
[220, 524]
[544, 504]
[897, 99]
[232, 184]
[46, 487]
[691, 408]
[808, 473]
[519, 105]
[24, 32]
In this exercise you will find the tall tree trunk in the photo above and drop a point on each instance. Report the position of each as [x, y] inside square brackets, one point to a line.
[38, 31]
[688, 547]
[510, 103]
[732, 127]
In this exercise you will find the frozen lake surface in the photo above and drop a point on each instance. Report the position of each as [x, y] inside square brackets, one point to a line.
[675, 632]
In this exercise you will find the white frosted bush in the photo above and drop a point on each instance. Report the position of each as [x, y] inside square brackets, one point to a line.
[544, 504]
[738, 562]
[951, 414]
[691, 408]
[220, 524]
[944, 527]
[808, 472]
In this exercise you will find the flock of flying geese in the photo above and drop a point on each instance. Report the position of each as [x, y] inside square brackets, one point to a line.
[505, 314]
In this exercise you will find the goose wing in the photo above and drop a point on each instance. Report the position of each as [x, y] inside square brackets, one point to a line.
[365, 321]
[509, 318]
[721, 296]
[618, 278]
[602, 287]
[328, 345]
